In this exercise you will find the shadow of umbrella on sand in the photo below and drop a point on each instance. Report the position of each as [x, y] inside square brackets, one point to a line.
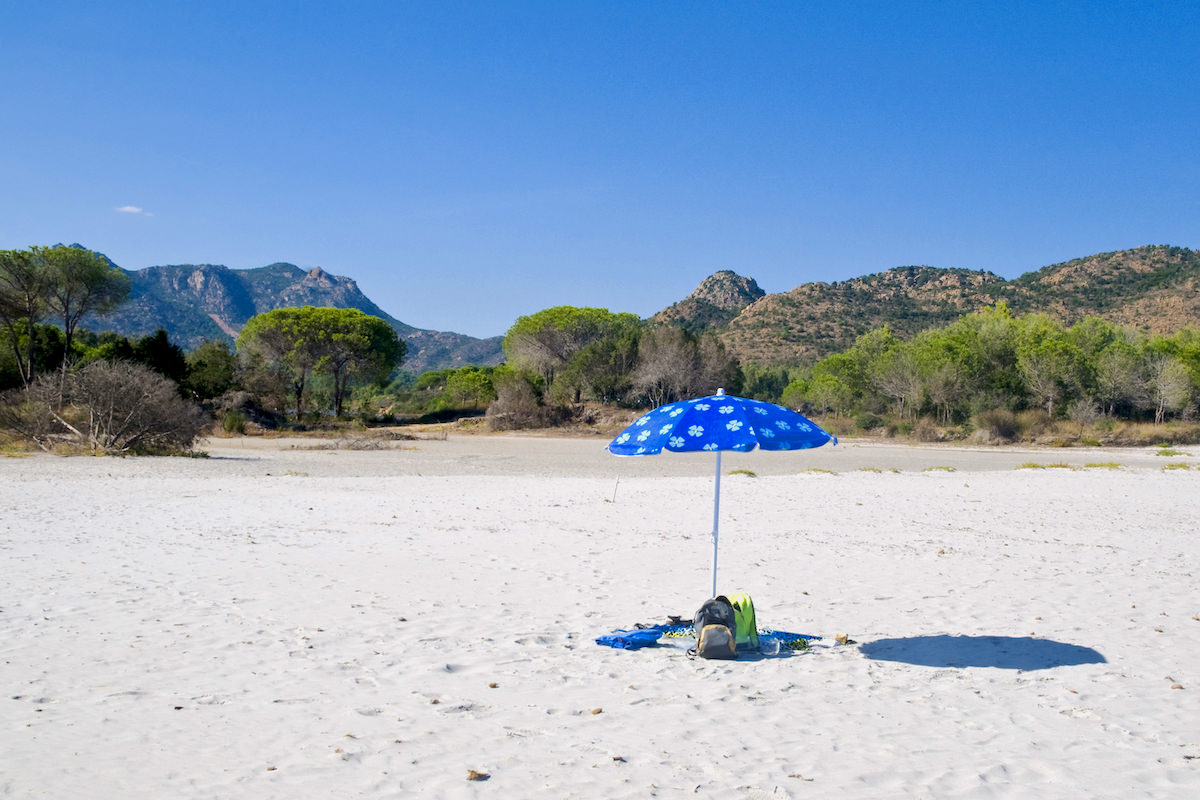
[715, 423]
[1002, 652]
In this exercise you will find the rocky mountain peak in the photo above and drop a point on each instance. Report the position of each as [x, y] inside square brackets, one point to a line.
[727, 291]
[718, 299]
[319, 277]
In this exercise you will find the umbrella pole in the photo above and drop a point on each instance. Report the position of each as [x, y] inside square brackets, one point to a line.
[716, 517]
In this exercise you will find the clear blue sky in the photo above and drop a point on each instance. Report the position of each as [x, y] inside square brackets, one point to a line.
[468, 163]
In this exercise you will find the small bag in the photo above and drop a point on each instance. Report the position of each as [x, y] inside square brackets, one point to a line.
[716, 641]
[716, 629]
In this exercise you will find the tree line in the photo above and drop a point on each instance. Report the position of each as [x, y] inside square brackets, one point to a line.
[561, 356]
[979, 371]
[311, 364]
[65, 386]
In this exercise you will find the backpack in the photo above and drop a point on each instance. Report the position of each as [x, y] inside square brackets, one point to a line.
[716, 629]
[747, 625]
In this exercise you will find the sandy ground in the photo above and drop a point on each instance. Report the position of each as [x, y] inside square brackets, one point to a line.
[279, 620]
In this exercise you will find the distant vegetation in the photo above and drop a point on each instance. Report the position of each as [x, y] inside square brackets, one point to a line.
[987, 375]
[990, 375]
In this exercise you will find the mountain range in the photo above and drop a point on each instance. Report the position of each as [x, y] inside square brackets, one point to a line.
[1155, 289]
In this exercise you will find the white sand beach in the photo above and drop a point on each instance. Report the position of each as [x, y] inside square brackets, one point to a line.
[282, 621]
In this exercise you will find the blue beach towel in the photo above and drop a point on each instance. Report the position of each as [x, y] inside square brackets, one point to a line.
[631, 640]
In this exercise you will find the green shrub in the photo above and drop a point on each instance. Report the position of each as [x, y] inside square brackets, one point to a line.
[867, 421]
[233, 422]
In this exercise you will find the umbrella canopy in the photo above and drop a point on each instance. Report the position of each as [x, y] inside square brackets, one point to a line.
[715, 423]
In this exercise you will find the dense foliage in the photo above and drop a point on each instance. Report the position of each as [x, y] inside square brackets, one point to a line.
[285, 350]
[563, 355]
[993, 360]
[59, 283]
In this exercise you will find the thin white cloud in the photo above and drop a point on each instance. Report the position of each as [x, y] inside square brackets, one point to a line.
[133, 210]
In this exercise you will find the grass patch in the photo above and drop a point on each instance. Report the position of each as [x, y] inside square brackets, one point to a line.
[1035, 465]
[817, 471]
[1171, 451]
[1176, 465]
[745, 472]
[939, 469]
[869, 469]
[11, 448]
[1103, 465]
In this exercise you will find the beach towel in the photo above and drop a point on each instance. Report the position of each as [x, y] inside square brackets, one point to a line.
[631, 640]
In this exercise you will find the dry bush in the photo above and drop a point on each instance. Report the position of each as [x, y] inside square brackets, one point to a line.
[25, 417]
[1145, 434]
[1000, 423]
[1033, 422]
[926, 430]
[518, 407]
[108, 407]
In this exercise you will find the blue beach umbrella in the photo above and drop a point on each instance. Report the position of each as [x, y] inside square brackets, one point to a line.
[718, 422]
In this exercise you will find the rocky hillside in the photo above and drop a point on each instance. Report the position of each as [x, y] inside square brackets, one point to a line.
[1154, 289]
[717, 300]
[196, 302]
